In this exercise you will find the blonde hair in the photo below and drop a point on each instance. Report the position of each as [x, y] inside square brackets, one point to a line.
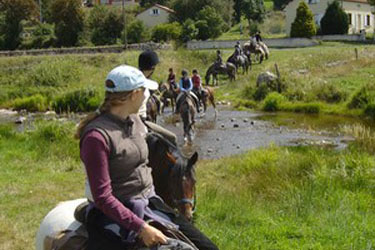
[111, 99]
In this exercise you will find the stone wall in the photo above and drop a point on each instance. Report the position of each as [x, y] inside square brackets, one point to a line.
[85, 50]
[276, 42]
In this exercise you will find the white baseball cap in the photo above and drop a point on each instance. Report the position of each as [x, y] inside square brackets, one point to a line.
[127, 78]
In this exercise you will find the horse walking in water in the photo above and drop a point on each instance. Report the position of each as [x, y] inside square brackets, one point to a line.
[187, 110]
[174, 181]
[168, 93]
[229, 69]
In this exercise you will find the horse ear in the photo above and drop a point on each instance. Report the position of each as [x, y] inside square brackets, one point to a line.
[193, 159]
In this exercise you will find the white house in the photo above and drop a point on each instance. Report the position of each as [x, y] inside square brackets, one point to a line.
[359, 13]
[155, 15]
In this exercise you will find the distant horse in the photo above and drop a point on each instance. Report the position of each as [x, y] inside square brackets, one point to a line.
[187, 109]
[214, 70]
[174, 180]
[253, 47]
[240, 61]
[168, 93]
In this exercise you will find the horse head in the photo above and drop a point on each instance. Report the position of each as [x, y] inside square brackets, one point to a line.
[173, 174]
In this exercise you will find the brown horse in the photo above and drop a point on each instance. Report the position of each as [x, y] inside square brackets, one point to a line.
[173, 174]
[187, 109]
[152, 109]
[208, 96]
[229, 69]
[167, 93]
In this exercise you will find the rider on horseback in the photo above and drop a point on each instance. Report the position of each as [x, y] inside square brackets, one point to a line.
[172, 79]
[258, 38]
[197, 85]
[219, 60]
[186, 86]
[147, 62]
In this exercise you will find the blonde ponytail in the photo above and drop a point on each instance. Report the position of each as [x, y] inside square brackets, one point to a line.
[111, 99]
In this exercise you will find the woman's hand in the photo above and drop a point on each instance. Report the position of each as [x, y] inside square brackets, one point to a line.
[152, 236]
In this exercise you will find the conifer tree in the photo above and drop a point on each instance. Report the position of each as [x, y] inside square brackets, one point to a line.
[303, 25]
[335, 20]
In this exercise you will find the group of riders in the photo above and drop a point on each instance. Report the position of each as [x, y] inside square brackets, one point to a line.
[192, 86]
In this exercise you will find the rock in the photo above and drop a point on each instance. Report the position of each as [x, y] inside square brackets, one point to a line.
[266, 77]
[222, 126]
[303, 71]
[20, 120]
[232, 119]
[236, 125]
[238, 147]
[245, 120]
[50, 113]
[229, 103]
[210, 150]
[252, 122]
[218, 139]
[7, 112]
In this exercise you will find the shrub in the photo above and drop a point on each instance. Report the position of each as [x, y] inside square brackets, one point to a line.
[250, 104]
[273, 102]
[335, 20]
[370, 110]
[261, 92]
[308, 108]
[42, 36]
[330, 93]
[137, 32]
[32, 103]
[303, 25]
[166, 32]
[362, 97]
[77, 101]
[189, 31]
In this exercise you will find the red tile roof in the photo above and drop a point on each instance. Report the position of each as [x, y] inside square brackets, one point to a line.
[164, 8]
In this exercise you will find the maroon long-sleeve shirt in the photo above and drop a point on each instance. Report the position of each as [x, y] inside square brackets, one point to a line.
[95, 154]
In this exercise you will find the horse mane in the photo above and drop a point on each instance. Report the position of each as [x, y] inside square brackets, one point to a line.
[179, 166]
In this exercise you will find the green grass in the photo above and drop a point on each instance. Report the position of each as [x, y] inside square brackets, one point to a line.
[270, 198]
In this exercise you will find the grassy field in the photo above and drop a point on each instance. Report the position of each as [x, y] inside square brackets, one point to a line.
[270, 198]
[323, 79]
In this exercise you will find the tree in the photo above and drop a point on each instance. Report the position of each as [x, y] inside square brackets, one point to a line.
[237, 7]
[254, 10]
[106, 25]
[335, 20]
[14, 11]
[68, 17]
[280, 4]
[189, 9]
[303, 25]
[210, 24]
[42, 36]
[137, 32]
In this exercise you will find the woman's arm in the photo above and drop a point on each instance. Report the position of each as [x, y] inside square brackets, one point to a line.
[94, 154]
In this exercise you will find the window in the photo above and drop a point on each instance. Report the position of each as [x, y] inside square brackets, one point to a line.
[350, 18]
[367, 22]
[313, 1]
[155, 11]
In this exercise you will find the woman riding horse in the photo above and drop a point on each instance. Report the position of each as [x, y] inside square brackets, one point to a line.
[114, 152]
